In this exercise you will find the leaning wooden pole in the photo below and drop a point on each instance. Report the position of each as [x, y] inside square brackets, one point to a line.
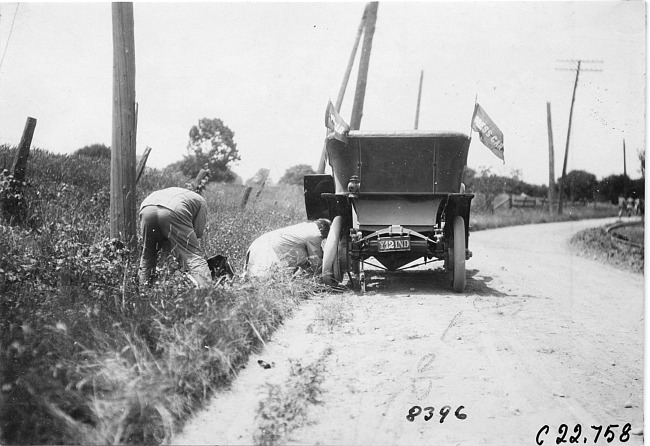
[344, 85]
[122, 196]
[551, 161]
[568, 134]
[364, 64]
[142, 164]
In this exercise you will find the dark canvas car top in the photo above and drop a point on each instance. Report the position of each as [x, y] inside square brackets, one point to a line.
[412, 162]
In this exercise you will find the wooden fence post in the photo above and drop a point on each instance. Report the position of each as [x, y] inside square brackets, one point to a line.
[12, 200]
[198, 183]
[19, 166]
[259, 192]
[247, 193]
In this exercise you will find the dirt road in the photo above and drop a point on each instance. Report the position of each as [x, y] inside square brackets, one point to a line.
[540, 337]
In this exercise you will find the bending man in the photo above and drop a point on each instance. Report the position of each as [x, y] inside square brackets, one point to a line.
[297, 246]
[172, 220]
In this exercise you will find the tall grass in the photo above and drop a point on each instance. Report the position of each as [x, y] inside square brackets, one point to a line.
[88, 357]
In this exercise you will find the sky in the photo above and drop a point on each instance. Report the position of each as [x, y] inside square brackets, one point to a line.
[268, 70]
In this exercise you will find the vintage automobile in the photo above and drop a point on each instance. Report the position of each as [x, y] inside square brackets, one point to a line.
[397, 197]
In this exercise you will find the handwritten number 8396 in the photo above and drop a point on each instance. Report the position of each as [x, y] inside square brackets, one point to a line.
[430, 412]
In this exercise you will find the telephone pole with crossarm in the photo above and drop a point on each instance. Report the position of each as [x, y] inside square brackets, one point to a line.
[577, 69]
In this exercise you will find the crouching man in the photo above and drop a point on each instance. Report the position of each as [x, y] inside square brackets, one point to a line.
[172, 220]
[297, 246]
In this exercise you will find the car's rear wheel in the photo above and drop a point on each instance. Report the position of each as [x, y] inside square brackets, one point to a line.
[332, 274]
[459, 277]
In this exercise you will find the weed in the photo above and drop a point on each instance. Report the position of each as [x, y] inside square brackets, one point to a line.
[286, 407]
[334, 312]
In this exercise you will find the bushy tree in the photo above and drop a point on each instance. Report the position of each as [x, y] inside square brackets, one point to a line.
[95, 151]
[211, 142]
[580, 185]
[486, 184]
[296, 174]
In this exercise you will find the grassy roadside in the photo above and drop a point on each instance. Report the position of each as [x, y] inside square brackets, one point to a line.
[87, 357]
[599, 245]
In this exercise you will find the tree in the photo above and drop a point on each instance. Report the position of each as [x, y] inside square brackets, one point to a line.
[485, 184]
[611, 187]
[95, 151]
[211, 142]
[296, 174]
[580, 186]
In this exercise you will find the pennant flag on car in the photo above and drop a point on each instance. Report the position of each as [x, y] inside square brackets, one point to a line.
[335, 123]
[488, 132]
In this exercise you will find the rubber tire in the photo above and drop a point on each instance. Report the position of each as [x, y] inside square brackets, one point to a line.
[344, 260]
[332, 274]
[459, 278]
[336, 267]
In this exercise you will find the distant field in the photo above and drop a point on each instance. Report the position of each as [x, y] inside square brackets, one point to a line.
[512, 217]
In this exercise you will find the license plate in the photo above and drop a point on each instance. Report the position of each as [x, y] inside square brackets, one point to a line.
[395, 244]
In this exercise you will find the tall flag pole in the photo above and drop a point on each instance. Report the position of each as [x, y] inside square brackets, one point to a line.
[471, 126]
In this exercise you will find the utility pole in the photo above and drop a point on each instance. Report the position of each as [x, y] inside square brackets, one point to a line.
[579, 63]
[624, 172]
[123, 177]
[344, 85]
[417, 109]
[551, 161]
[364, 63]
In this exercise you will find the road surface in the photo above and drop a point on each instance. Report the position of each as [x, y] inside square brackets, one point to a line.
[540, 337]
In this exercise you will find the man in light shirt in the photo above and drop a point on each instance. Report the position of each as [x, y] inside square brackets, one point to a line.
[172, 220]
[297, 246]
